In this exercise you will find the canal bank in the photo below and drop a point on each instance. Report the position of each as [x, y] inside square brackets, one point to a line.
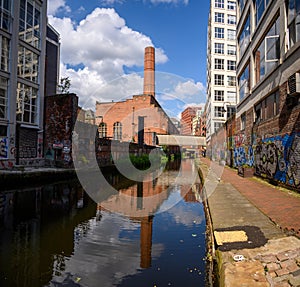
[31, 176]
[251, 241]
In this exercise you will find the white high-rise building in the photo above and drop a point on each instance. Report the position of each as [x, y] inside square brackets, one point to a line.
[221, 64]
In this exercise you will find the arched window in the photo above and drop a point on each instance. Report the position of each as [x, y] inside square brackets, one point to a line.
[102, 130]
[117, 131]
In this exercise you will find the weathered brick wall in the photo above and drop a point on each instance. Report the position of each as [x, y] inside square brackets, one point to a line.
[60, 118]
[127, 113]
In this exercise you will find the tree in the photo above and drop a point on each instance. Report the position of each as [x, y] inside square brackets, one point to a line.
[64, 85]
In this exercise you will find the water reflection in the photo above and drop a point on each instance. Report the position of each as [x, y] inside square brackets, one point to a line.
[56, 235]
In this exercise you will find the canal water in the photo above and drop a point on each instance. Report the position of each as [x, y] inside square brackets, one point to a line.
[56, 235]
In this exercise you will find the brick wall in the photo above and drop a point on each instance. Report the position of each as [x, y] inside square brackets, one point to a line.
[60, 118]
[127, 113]
[272, 146]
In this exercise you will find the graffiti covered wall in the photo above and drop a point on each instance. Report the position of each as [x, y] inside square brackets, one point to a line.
[278, 158]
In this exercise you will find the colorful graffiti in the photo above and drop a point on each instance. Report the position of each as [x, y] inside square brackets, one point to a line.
[243, 155]
[279, 158]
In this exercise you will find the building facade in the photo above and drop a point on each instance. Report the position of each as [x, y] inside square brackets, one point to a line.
[268, 76]
[221, 64]
[186, 122]
[23, 47]
[127, 120]
[52, 61]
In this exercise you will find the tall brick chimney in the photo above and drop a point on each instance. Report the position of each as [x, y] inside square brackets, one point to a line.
[149, 71]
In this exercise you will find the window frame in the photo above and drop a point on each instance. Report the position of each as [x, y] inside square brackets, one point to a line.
[219, 96]
[219, 4]
[219, 80]
[219, 64]
[219, 33]
[220, 48]
[219, 17]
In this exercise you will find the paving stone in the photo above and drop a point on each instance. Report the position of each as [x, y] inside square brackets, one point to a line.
[286, 278]
[296, 273]
[292, 254]
[272, 267]
[282, 284]
[273, 274]
[281, 272]
[290, 265]
[282, 256]
[295, 281]
[268, 258]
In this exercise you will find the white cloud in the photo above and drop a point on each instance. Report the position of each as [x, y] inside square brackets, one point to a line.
[102, 45]
[189, 89]
[96, 51]
[111, 2]
[57, 5]
[185, 2]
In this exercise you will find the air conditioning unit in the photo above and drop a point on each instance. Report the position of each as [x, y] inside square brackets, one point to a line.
[294, 84]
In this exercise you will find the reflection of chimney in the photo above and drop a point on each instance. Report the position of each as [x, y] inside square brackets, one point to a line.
[146, 241]
[149, 71]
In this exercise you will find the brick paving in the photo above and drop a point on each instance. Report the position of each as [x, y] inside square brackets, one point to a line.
[274, 264]
[282, 207]
[282, 269]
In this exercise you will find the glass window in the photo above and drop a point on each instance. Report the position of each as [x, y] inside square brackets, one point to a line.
[231, 49]
[260, 7]
[243, 121]
[219, 96]
[231, 81]
[5, 15]
[3, 98]
[231, 19]
[29, 22]
[293, 21]
[4, 45]
[267, 108]
[102, 130]
[27, 104]
[268, 53]
[219, 112]
[28, 63]
[231, 65]
[230, 111]
[219, 80]
[219, 3]
[219, 32]
[219, 48]
[219, 64]
[117, 131]
[231, 34]
[219, 17]
[244, 37]
[231, 5]
[218, 125]
[231, 97]
[241, 5]
[244, 83]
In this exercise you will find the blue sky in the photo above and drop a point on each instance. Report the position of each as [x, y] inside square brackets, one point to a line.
[102, 46]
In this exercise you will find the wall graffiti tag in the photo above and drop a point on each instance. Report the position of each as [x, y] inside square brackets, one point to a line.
[279, 158]
[243, 155]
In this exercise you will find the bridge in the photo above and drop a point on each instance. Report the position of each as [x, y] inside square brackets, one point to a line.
[180, 140]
